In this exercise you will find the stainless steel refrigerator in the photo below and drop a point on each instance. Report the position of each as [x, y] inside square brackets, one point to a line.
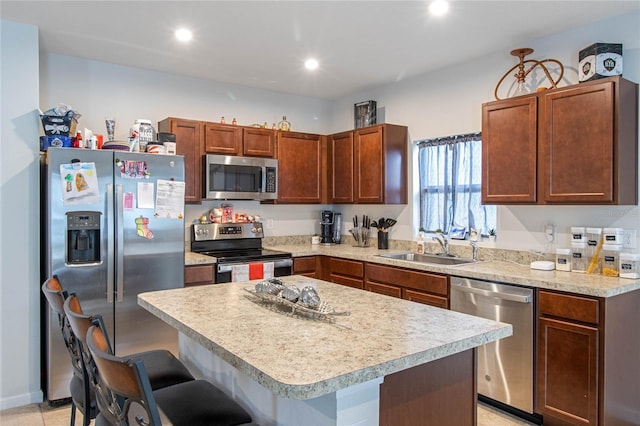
[113, 227]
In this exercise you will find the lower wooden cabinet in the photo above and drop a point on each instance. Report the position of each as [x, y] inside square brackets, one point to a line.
[305, 266]
[417, 286]
[199, 274]
[343, 271]
[587, 359]
[568, 372]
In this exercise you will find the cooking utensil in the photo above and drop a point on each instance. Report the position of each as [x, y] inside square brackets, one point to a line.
[390, 222]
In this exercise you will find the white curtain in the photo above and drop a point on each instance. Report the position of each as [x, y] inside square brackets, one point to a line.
[450, 171]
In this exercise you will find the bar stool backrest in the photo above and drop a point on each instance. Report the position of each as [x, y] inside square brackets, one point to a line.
[126, 378]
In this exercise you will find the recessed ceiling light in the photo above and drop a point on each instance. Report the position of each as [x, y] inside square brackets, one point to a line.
[184, 34]
[438, 7]
[311, 64]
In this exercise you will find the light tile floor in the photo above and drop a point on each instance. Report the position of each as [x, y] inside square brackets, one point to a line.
[43, 415]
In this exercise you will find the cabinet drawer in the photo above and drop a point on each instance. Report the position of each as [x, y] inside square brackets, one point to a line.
[350, 282]
[202, 274]
[571, 307]
[425, 298]
[432, 283]
[388, 290]
[346, 267]
[304, 264]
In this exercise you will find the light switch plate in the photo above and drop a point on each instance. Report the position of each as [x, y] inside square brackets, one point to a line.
[629, 239]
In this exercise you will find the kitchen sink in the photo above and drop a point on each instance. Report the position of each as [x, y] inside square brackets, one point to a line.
[429, 258]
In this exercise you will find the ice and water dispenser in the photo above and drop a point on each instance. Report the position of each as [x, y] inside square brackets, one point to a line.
[83, 237]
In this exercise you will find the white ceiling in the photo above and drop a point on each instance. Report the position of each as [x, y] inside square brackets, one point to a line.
[262, 44]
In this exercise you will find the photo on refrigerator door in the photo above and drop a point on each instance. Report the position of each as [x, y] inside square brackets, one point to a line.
[79, 183]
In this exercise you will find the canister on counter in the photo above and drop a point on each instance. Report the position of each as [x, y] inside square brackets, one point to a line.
[612, 235]
[579, 257]
[563, 259]
[630, 265]
[594, 249]
[578, 234]
[611, 259]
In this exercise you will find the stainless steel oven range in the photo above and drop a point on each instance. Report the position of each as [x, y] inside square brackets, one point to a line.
[238, 246]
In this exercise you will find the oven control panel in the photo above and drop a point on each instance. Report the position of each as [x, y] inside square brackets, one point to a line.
[226, 231]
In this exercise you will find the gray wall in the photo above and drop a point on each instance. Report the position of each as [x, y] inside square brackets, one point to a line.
[437, 104]
[19, 217]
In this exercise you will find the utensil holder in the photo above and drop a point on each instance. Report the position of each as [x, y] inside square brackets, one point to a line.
[383, 240]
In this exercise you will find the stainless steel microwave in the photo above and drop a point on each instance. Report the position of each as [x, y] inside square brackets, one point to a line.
[240, 178]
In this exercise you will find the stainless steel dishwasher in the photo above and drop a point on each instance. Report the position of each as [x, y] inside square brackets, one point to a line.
[505, 367]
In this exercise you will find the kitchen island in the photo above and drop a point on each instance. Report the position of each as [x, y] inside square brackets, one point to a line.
[389, 362]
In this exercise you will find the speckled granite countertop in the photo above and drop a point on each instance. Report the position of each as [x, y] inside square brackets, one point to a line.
[501, 271]
[299, 358]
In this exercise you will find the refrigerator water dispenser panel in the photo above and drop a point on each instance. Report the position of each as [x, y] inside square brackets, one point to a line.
[83, 238]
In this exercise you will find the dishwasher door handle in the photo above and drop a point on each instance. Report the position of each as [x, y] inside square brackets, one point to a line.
[496, 294]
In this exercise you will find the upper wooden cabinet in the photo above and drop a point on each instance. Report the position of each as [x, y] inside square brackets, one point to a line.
[572, 145]
[258, 142]
[228, 139]
[301, 168]
[369, 165]
[222, 139]
[190, 144]
[341, 163]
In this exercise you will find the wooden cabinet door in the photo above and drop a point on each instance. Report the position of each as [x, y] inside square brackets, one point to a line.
[567, 372]
[305, 266]
[189, 143]
[369, 166]
[258, 142]
[222, 139]
[509, 151]
[341, 164]
[300, 168]
[577, 144]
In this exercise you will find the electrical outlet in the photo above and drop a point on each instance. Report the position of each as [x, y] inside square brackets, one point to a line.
[549, 231]
[629, 239]
[269, 223]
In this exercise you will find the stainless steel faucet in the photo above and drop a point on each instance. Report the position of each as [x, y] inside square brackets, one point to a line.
[443, 241]
[474, 250]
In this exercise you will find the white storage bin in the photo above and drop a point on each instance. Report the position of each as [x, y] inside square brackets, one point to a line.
[612, 235]
[630, 265]
[611, 259]
[579, 258]
[578, 234]
[563, 259]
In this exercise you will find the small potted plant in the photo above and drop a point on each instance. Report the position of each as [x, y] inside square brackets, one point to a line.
[492, 235]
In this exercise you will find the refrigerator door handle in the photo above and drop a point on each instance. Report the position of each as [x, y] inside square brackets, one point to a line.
[119, 244]
[110, 249]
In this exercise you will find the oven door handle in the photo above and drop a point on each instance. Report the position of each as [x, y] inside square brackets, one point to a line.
[279, 263]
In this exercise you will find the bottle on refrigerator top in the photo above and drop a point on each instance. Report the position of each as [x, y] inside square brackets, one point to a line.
[144, 131]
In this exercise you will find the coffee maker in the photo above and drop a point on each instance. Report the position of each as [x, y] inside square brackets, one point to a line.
[330, 224]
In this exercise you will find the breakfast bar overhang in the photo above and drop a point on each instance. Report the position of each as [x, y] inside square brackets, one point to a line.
[390, 361]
